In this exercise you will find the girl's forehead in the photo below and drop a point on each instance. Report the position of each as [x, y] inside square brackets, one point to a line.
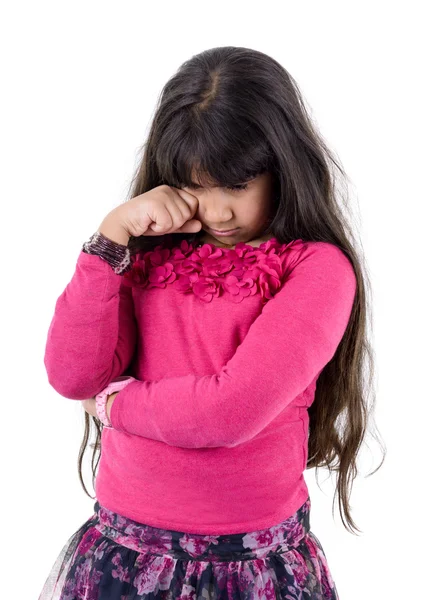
[201, 178]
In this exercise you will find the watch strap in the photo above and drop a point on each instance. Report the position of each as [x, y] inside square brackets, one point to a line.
[102, 397]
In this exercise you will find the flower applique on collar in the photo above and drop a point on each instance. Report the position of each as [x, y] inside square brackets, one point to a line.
[209, 271]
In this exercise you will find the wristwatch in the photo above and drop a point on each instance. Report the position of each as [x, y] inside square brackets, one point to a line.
[116, 385]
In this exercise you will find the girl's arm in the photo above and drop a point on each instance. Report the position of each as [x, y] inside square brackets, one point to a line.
[286, 347]
[92, 335]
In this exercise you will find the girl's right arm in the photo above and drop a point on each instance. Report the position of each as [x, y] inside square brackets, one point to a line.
[93, 333]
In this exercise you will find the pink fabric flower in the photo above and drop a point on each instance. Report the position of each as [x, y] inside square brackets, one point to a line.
[210, 271]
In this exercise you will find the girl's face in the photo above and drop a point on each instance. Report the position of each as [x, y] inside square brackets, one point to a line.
[246, 209]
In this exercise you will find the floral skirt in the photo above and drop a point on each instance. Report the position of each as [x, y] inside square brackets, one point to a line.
[112, 557]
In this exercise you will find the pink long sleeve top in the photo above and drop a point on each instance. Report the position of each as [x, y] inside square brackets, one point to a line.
[226, 346]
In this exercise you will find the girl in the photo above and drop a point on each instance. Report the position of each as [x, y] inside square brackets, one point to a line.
[214, 330]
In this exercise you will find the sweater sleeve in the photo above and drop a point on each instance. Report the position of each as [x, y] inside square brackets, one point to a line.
[92, 335]
[288, 344]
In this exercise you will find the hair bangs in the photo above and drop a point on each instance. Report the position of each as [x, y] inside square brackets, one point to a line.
[206, 158]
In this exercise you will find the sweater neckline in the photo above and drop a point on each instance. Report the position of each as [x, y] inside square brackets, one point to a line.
[209, 271]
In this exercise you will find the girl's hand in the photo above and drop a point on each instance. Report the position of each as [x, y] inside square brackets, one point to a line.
[161, 210]
[90, 406]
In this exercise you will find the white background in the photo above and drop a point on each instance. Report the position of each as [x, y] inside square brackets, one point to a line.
[80, 82]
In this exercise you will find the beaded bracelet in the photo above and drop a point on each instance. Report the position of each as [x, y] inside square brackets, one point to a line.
[115, 254]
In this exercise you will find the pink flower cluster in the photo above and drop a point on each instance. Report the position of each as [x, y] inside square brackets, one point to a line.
[210, 271]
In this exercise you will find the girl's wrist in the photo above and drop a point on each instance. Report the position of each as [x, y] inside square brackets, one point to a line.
[109, 403]
[112, 229]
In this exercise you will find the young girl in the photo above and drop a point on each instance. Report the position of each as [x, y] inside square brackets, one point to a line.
[214, 329]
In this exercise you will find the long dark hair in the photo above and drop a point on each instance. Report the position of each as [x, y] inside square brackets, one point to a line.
[231, 113]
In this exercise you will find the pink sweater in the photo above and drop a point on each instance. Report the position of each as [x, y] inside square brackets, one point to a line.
[227, 345]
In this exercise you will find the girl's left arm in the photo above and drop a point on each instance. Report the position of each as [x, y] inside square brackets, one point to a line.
[289, 343]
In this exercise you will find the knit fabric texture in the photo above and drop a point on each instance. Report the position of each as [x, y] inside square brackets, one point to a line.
[226, 345]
